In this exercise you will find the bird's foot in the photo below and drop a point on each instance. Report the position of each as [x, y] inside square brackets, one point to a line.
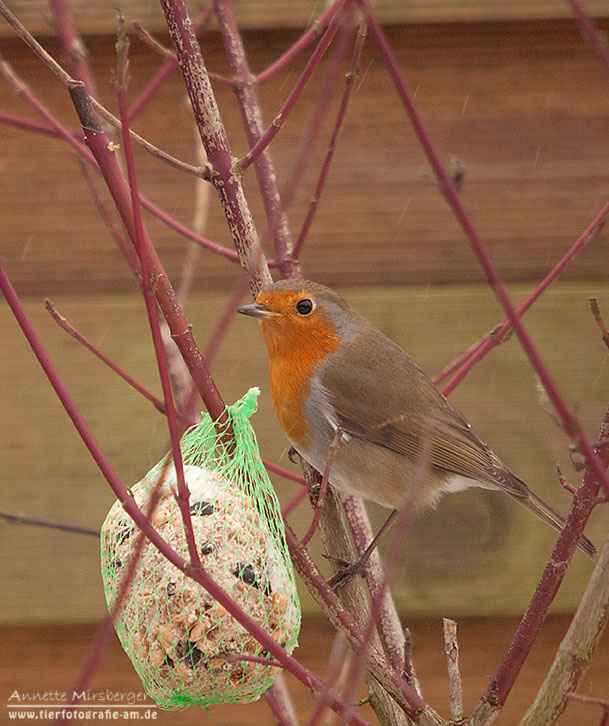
[345, 575]
[347, 571]
[294, 456]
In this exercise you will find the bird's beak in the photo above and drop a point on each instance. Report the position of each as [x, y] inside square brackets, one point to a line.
[257, 310]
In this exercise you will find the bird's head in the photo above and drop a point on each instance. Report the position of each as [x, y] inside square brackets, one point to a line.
[297, 315]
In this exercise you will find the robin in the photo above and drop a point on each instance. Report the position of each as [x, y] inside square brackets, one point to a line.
[331, 369]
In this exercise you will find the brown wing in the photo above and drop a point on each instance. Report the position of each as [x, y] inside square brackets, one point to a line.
[393, 403]
[390, 401]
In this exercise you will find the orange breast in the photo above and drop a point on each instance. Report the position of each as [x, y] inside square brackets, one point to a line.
[294, 354]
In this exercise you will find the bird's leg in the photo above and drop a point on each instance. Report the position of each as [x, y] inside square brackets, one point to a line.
[346, 573]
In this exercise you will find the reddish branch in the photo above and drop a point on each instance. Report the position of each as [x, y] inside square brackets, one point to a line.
[26, 124]
[247, 96]
[180, 329]
[292, 98]
[145, 253]
[597, 40]
[200, 575]
[338, 124]
[305, 39]
[75, 49]
[464, 363]
[213, 135]
[584, 502]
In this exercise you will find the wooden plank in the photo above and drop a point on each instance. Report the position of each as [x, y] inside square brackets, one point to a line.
[478, 553]
[40, 668]
[100, 17]
[524, 107]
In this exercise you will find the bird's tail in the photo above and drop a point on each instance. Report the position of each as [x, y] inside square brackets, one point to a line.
[544, 511]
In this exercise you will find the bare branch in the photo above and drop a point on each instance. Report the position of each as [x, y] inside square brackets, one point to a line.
[338, 124]
[323, 487]
[599, 320]
[214, 138]
[583, 503]
[247, 96]
[465, 362]
[37, 522]
[451, 648]
[67, 80]
[596, 39]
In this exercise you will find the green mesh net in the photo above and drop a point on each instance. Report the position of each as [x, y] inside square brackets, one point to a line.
[183, 644]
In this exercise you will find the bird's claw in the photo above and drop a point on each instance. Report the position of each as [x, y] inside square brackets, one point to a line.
[292, 454]
[344, 575]
[347, 571]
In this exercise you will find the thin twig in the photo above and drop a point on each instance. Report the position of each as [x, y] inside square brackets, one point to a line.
[73, 45]
[338, 434]
[564, 482]
[246, 91]
[591, 34]
[599, 320]
[80, 148]
[184, 390]
[465, 362]
[168, 54]
[339, 657]
[294, 501]
[338, 124]
[65, 325]
[278, 698]
[292, 98]
[166, 69]
[26, 124]
[316, 29]
[577, 647]
[144, 249]
[455, 688]
[602, 702]
[68, 81]
[107, 218]
[213, 135]
[154, 45]
[225, 320]
[37, 522]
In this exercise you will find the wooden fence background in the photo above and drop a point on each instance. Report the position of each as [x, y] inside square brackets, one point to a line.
[524, 106]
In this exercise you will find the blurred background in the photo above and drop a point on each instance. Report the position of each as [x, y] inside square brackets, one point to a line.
[512, 96]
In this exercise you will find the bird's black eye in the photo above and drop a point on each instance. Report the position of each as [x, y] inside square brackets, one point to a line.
[305, 306]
